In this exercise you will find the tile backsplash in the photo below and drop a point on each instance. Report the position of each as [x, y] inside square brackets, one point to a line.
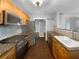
[9, 30]
[73, 35]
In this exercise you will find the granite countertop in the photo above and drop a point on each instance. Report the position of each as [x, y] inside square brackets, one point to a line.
[67, 42]
[15, 38]
[2, 37]
[54, 33]
[5, 47]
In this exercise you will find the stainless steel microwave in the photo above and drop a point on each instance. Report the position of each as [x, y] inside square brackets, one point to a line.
[9, 18]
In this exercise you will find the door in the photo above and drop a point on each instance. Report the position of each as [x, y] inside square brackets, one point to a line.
[40, 26]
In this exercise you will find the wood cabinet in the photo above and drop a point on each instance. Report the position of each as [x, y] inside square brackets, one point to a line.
[1, 18]
[0, 6]
[60, 52]
[49, 39]
[11, 54]
[8, 6]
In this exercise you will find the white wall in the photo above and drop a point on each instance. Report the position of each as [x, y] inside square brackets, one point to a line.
[50, 25]
[37, 26]
[68, 22]
[62, 21]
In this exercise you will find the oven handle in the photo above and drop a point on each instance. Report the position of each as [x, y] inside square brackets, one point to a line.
[19, 47]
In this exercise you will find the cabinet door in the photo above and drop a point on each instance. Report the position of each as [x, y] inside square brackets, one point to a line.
[63, 53]
[49, 39]
[9, 55]
[59, 51]
[1, 18]
[12, 54]
[56, 50]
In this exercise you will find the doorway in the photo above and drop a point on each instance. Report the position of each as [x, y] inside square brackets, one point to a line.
[40, 27]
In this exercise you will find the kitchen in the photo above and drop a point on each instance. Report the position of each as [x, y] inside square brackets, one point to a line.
[38, 29]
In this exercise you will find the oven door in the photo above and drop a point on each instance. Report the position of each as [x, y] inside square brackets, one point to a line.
[21, 50]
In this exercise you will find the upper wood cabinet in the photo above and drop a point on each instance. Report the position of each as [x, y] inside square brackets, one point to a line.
[0, 6]
[1, 18]
[10, 7]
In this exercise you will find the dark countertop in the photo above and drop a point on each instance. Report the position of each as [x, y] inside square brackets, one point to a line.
[15, 38]
[5, 47]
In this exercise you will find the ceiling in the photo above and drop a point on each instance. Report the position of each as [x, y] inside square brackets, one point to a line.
[49, 7]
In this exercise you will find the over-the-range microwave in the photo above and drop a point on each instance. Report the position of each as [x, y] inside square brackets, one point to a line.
[9, 18]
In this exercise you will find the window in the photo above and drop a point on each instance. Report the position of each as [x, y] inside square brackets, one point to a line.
[67, 24]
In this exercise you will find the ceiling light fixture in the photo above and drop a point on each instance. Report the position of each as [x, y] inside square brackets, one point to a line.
[37, 2]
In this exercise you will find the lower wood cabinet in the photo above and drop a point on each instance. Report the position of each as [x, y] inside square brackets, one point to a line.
[49, 38]
[60, 52]
[11, 54]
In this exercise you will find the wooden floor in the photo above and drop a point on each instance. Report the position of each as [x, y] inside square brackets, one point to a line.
[39, 51]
